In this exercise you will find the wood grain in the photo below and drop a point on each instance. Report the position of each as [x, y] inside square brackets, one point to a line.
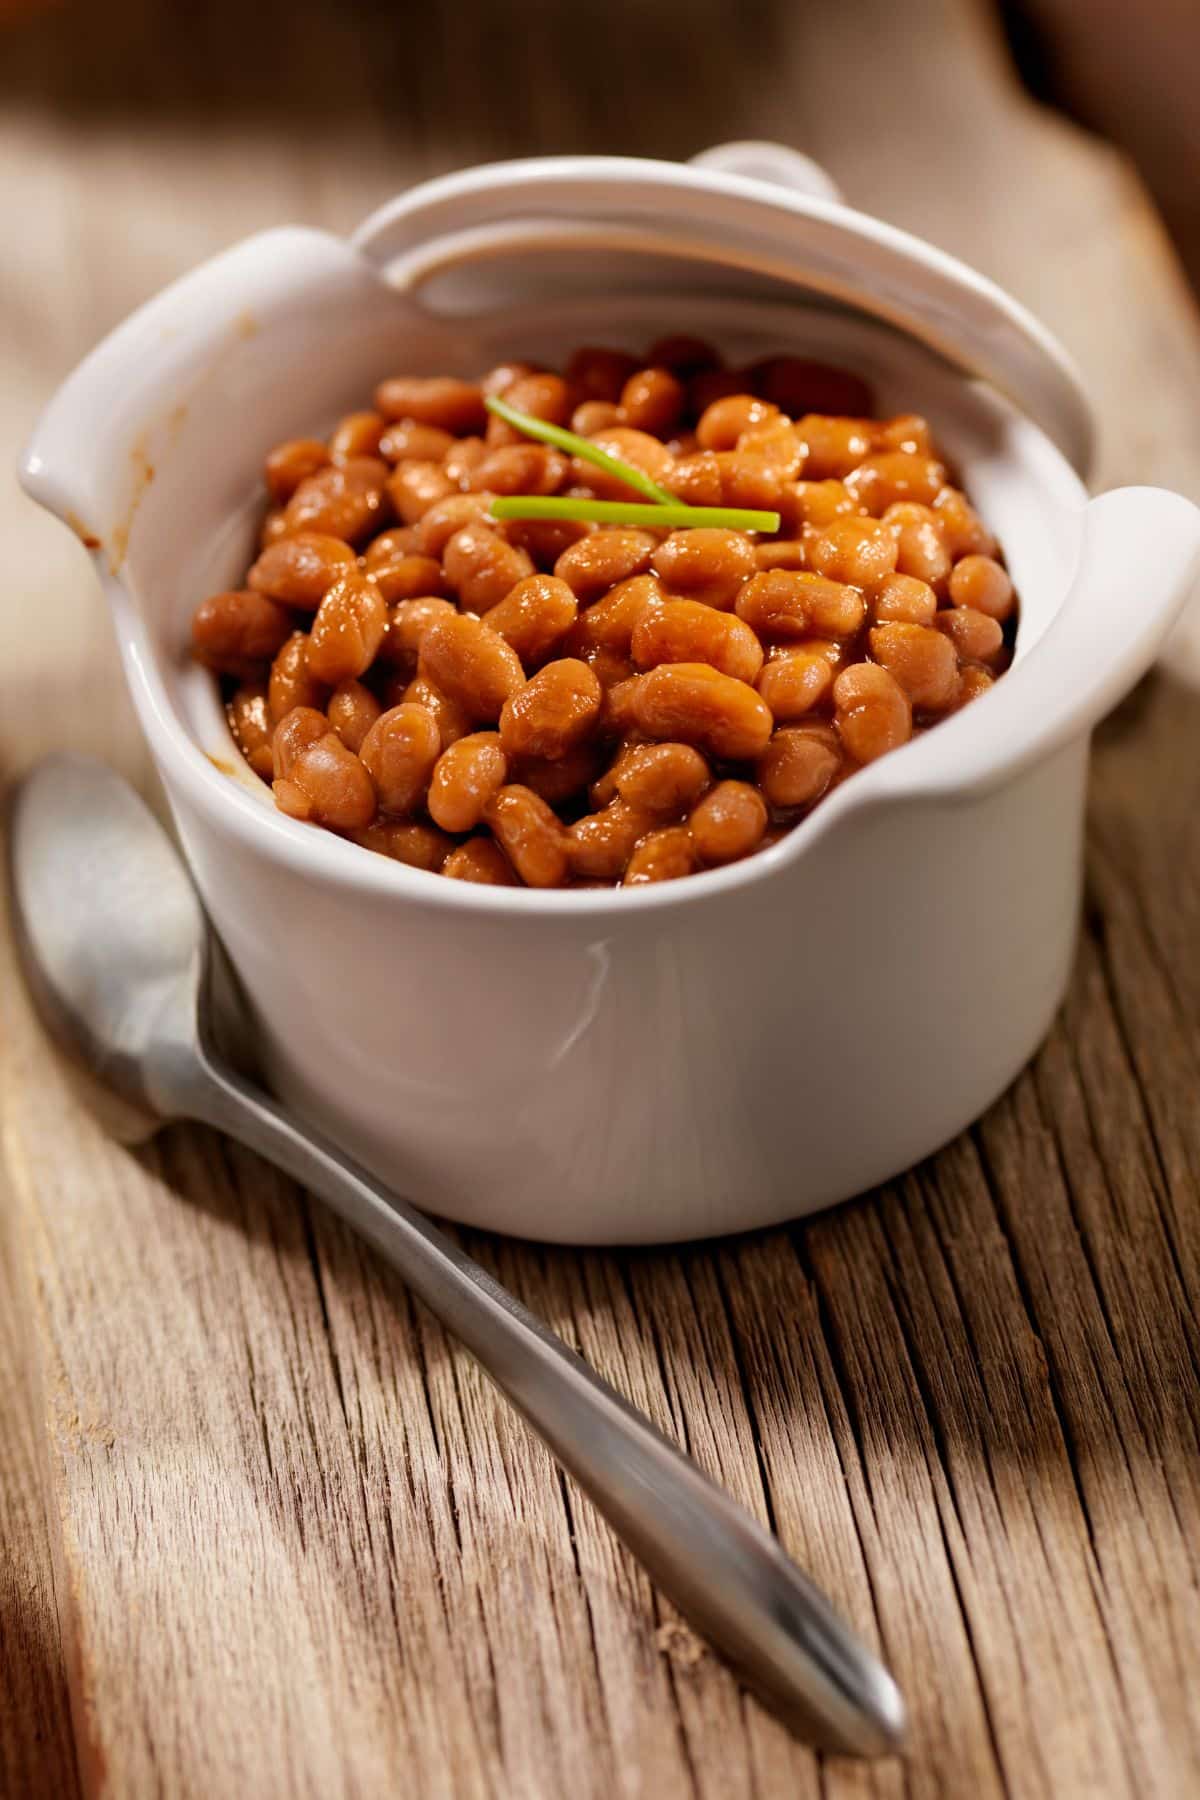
[302, 1548]
[36, 1746]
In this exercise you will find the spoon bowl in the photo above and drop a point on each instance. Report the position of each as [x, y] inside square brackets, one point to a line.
[112, 938]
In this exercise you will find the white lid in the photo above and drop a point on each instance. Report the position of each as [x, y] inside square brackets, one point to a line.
[755, 208]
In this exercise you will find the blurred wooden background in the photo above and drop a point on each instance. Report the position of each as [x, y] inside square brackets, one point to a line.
[262, 1530]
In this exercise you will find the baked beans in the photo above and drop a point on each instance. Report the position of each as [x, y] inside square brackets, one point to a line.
[553, 703]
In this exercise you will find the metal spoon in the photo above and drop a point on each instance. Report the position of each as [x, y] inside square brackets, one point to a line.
[119, 958]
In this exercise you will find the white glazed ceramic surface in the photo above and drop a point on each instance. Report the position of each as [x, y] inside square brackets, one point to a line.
[667, 1062]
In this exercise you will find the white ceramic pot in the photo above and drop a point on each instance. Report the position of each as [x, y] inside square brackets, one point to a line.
[665, 1062]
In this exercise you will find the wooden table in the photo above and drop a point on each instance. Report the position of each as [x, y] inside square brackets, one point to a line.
[265, 1531]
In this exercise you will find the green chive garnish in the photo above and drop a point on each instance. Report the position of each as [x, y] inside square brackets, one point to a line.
[674, 515]
[574, 445]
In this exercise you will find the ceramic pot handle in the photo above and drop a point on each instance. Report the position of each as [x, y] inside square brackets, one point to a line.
[1138, 560]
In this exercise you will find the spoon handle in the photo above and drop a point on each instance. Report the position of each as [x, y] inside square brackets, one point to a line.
[727, 1574]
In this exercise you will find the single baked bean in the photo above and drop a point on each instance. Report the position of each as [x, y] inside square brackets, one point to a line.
[800, 386]
[520, 469]
[728, 823]
[273, 527]
[415, 487]
[296, 732]
[976, 636]
[798, 765]
[920, 545]
[747, 480]
[327, 785]
[906, 431]
[595, 415]
[481, 860]
[873, 712]
[964, 531]
[775, 603]
[608, 624]
[358, 434]
[530, 836]
[599, 374]
[833, 445]
[418, 845]
[890, 475]
[835, 609]
[352, 710]
[660, 779]
[389, 546]
[482, 567]
[436, 527]
[982, 583]
[455, 406]
[794, 681]
[777, 443]
[600, 844]
[542, 396]
[699, 705]
[410, 577]
[637, 448]
[398, 753]
[553, 712]
[921, 551]
[653, 400]
[408, 621]
[410, 441]
[347, 630]
[453, 720]
[291, 463]
[721, 425]
[300, 570]
[566, 778]
[903, 600]
[239, 632]
[462, 461]
[858, 551]
[781, 553]
[705, 564]
[683, 354]
[534, 616]
[687, 631]
[345, 501]
[696, 479]
[292, 683]
[812, 505]
[599, 561]
[250, 726]
[663, 855]
[922, 661]
[472, 664]
[545, 539]
[465, 778]
[972, 682]
[791, 603]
